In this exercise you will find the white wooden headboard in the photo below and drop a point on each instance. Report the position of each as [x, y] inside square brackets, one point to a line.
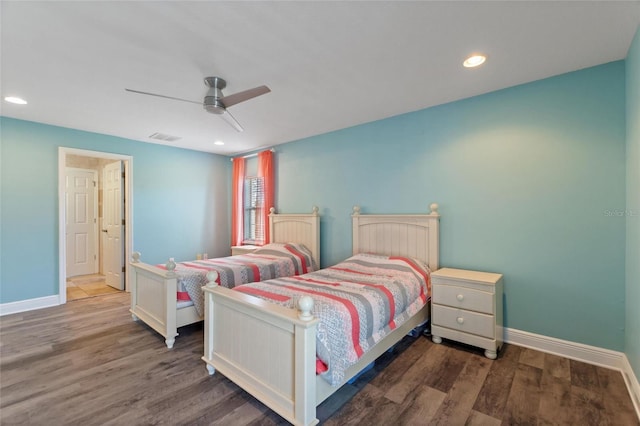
[412, 235]
[297, 228]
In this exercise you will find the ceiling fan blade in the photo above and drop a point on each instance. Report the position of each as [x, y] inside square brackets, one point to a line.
[162, 96]
[226, 116]
[236, 98]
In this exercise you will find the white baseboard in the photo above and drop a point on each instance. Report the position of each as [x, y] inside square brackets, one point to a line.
[29, 305]
[632, 384]
[580, 352]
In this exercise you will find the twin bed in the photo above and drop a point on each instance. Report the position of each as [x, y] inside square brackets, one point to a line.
[293, 340]
[167, 297]
[347, 315]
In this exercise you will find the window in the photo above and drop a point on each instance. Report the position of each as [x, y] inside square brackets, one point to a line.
[253, 207]
[251, 200]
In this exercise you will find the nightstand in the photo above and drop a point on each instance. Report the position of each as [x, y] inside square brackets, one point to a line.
[236, 250]
[466, 306]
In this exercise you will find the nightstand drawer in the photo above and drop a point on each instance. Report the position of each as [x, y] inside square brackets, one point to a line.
[464, 298]
[469, 322]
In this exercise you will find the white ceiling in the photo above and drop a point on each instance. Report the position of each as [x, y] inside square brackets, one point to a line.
[330, 65]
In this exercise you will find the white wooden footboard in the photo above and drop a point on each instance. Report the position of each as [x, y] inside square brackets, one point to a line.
[153, 299]
[268, 350]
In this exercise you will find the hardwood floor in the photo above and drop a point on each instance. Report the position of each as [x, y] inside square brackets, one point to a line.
[88, 363]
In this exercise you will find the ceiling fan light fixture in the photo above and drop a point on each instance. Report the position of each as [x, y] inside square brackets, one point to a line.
[474, 60]
[15, 100]
[213, 105]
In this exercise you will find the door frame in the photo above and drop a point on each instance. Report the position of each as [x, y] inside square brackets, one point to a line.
[128, 212]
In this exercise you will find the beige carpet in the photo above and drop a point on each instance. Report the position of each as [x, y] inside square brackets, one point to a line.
[84, 286]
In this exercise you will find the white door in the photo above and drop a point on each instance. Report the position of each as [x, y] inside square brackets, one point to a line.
[113, 226]
[81, 228]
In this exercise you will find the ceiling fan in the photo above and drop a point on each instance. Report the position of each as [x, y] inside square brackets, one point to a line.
[217, 103]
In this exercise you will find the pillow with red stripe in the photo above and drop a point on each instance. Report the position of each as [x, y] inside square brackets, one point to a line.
[300, 251]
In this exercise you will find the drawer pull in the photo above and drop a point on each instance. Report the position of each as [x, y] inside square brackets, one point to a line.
[460, 320]
[460, 297]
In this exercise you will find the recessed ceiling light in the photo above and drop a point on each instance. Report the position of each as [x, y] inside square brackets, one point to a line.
[474, 60]
[15, 100]
[218, 143]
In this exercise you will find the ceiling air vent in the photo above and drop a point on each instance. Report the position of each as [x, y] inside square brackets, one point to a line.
[164, 137]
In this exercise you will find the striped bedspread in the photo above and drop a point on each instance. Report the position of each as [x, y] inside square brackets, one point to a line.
[358, 302]
[270, 261]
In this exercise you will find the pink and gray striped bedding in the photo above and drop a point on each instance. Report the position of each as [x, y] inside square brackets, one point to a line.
[358, 302]
[270, 261]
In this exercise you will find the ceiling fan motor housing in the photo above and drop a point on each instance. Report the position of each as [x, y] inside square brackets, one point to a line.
[212, 100]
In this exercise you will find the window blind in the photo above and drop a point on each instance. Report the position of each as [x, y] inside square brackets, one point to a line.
[253, 206]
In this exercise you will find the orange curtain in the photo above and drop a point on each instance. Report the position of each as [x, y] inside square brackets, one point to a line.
[265, 171]
[237, 222]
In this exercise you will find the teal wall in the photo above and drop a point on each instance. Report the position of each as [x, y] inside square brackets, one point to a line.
[528, 180]
[632, 324]
[181, 201]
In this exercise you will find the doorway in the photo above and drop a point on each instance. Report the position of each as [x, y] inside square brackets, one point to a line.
[113, 225]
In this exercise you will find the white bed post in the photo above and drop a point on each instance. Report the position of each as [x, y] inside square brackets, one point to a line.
[434, 239]
[315, 211]
[208, 321]
[305, 356]
[133, 287]
[171, 292]
[354, 230]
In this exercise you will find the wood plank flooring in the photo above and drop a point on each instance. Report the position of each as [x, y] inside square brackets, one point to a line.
[88, 363]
